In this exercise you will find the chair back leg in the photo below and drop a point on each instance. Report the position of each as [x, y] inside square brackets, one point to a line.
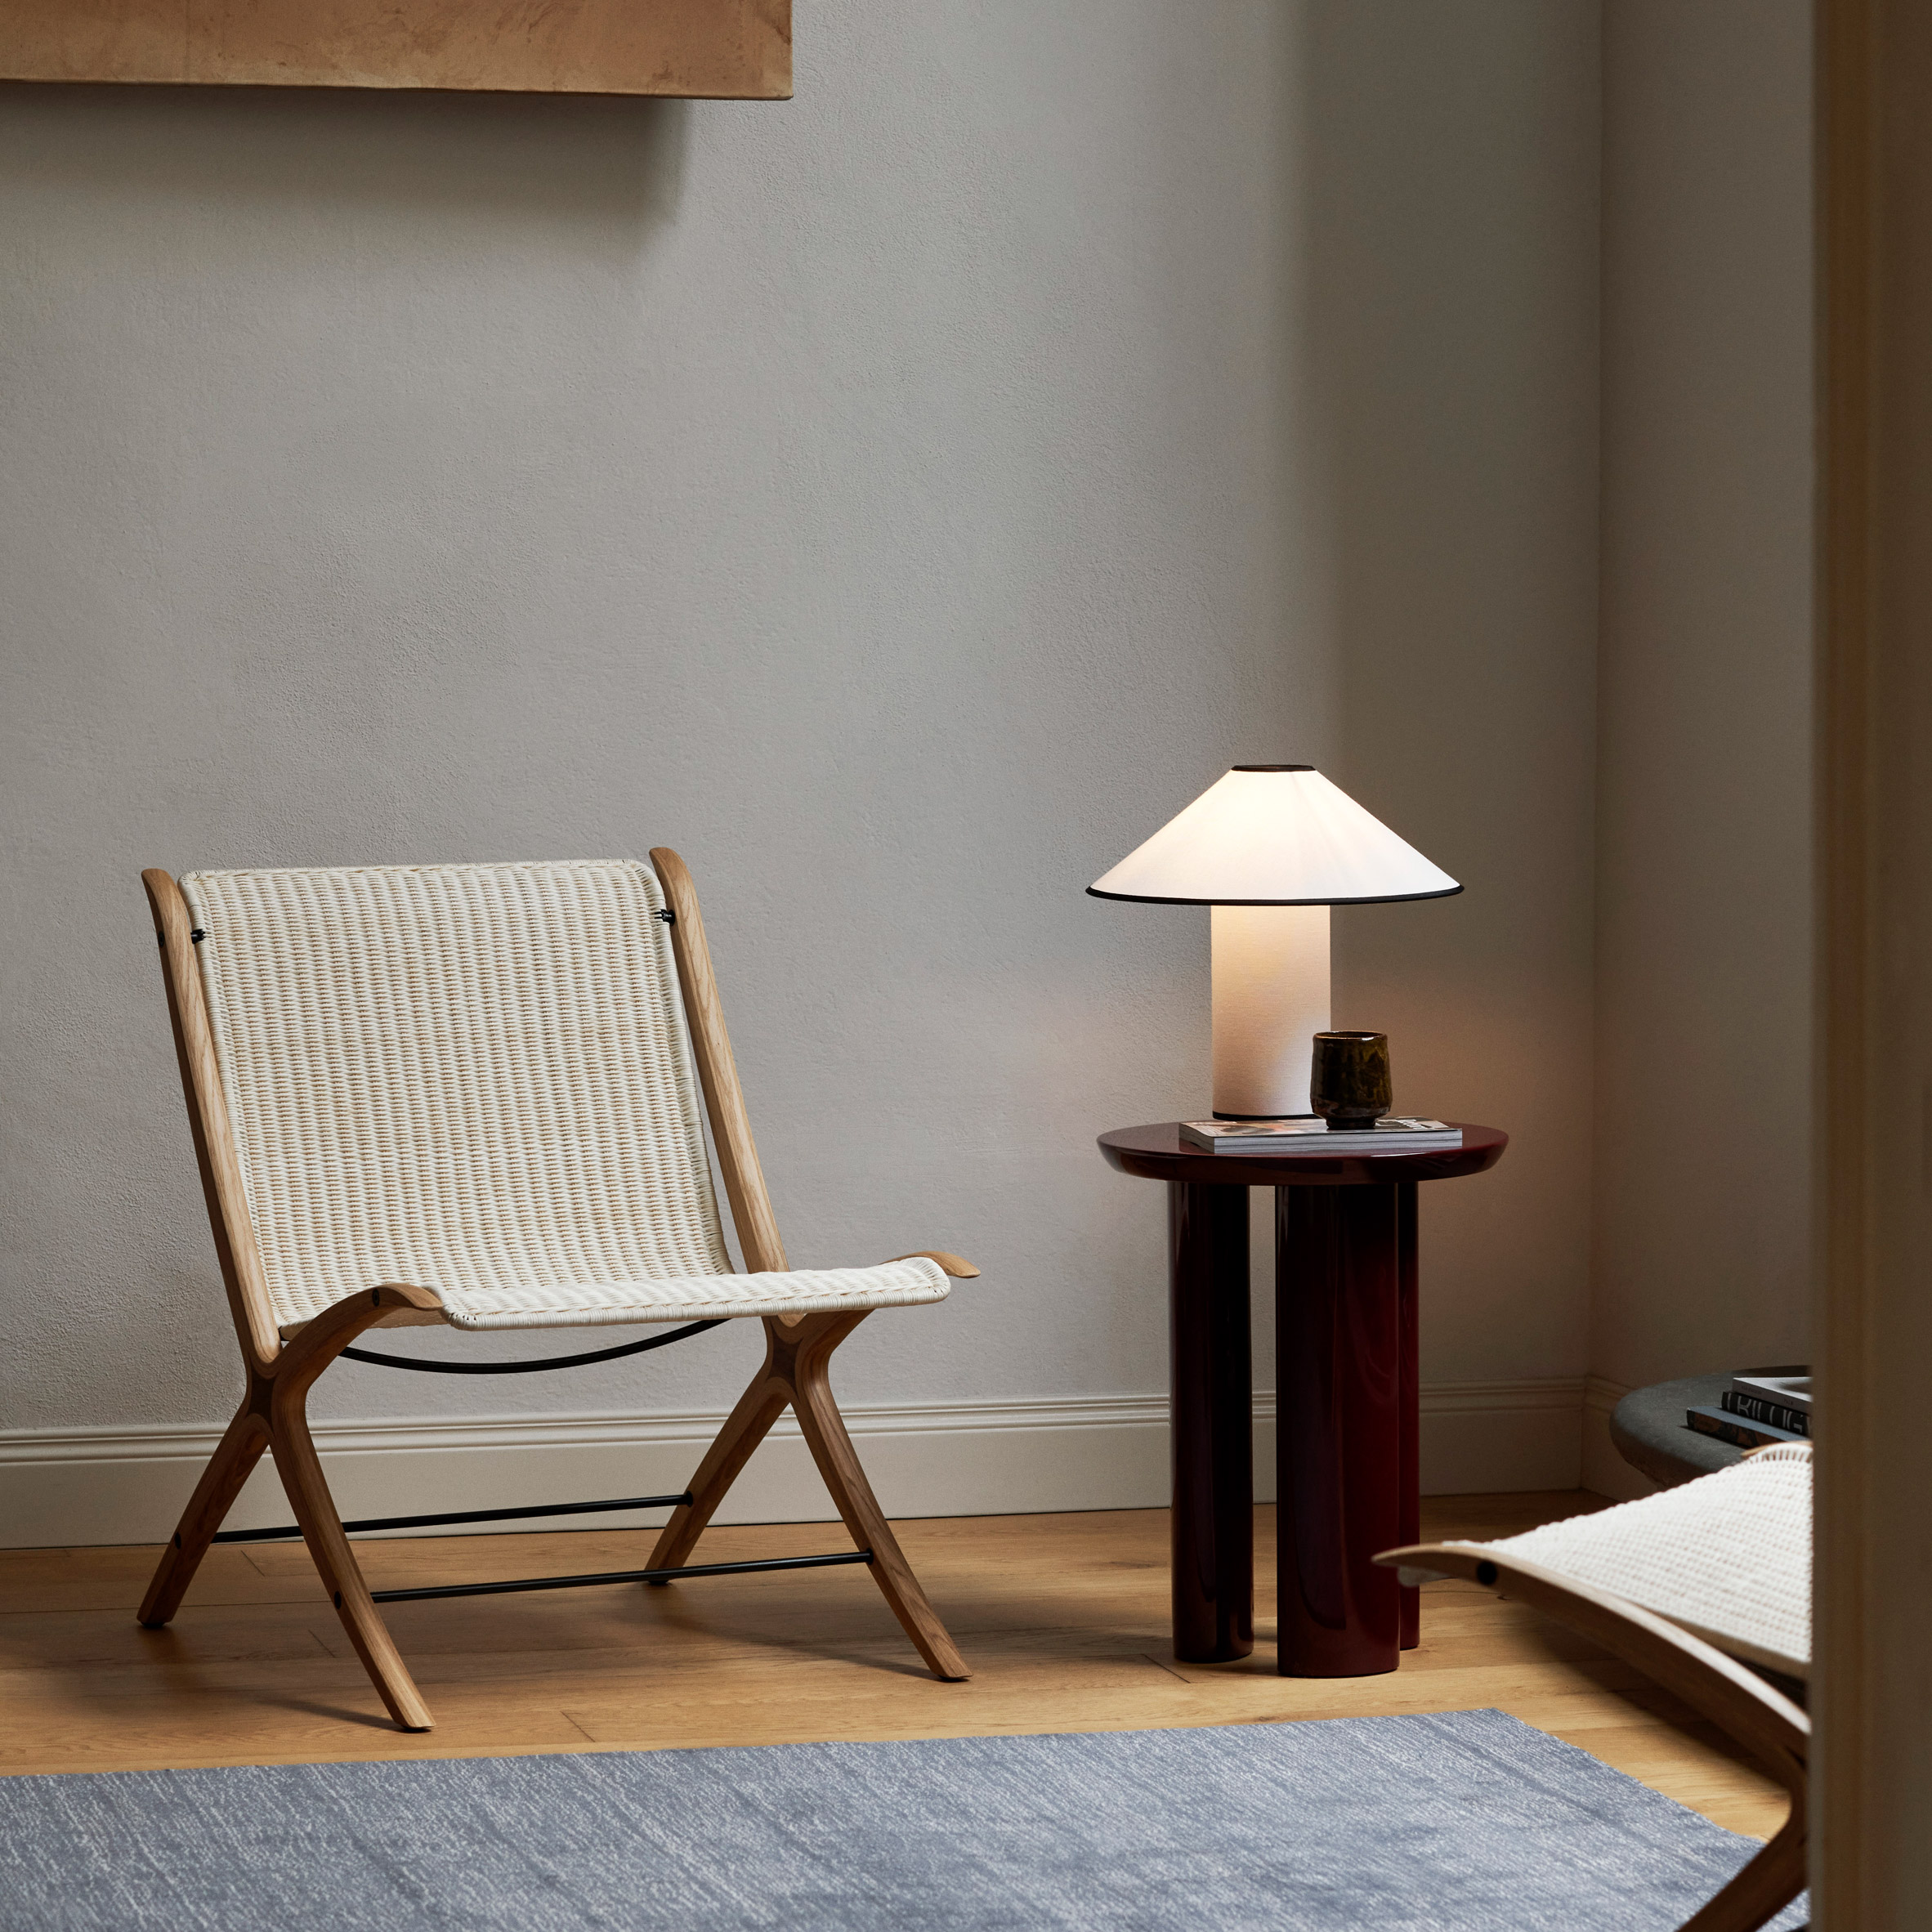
[228, 1468]
[763, 1403]
[796, 1373]
[1763, 1888]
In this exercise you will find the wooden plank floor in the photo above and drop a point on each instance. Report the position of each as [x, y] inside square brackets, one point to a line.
[1063, 1618]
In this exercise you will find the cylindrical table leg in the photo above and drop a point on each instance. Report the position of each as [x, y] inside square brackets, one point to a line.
[1212, 1432]
[1409, 1528]
[1338, 1427]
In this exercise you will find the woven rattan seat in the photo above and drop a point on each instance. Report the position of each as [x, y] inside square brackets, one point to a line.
[1681, 1584]
[478, 1096]
[1727, 1557]
[687, 1298]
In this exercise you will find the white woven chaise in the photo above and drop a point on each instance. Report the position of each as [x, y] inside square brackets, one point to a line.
[1682, 1585]
[470, 1095]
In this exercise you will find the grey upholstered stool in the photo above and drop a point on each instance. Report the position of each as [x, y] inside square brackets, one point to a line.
[1649, 1428]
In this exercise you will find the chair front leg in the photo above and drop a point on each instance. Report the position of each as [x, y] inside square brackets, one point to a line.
[301, 1470]
[228, 1468]
[1763, 1888]
[300, 1363]
[801, 1358]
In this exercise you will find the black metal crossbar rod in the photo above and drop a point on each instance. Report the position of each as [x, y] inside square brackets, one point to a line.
[430, 1365]
[491, 1589]
[390, 1522]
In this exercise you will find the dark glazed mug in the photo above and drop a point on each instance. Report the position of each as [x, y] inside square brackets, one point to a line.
[1351, 1086]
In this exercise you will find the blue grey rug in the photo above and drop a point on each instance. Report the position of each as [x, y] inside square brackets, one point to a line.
[1468, 1820]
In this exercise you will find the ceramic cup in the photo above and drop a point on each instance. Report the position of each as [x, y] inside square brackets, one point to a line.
[1351, 1086]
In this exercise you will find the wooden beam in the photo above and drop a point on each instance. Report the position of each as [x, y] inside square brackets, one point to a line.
[707, 49]
[1871, 1693]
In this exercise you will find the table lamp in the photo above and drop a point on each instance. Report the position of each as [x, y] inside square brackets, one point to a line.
[1271, 847]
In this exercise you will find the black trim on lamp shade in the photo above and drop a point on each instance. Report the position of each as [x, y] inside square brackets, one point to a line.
[1373, 899]
[1271, 767]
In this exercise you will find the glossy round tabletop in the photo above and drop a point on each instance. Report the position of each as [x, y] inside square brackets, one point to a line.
[1158, 1153]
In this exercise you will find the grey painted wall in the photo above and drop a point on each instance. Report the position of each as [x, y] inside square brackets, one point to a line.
[901, 500]
[1702, 1244]
[1453, 152]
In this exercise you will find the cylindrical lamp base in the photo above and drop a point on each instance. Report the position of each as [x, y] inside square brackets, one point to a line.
[1271, 999]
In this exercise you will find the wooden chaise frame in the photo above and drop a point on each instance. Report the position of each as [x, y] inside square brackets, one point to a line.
[273, 1411]
[1758, 1717]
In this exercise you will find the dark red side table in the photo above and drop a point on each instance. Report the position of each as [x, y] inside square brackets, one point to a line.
[1346, 1406]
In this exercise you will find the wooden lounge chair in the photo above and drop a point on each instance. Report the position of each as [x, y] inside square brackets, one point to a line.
[465, 1094]
[1684, 1585]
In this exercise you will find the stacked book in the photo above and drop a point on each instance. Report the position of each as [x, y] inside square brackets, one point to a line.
[1764, 1406]
[1397, 1133]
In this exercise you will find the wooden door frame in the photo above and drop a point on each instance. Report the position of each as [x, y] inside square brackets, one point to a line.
[1871, 1868]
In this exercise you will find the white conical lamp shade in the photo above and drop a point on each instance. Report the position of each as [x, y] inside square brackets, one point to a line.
[1274, 835]
[1271, 847]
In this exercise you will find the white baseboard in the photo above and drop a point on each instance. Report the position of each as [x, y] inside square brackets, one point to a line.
[1604, 1471]
[111, 1485]
[128, 1485]
[1479, 1439]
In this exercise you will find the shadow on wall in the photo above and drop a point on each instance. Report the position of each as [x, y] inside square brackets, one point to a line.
[615, 163]
[1445, 377]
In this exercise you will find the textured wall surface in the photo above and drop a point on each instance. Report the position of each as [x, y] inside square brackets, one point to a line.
[1452, 249]
[1703, 1245]
[901, 500]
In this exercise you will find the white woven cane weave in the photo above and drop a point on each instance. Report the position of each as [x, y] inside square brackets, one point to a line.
[1728, 1556]
[700, 1298]
[476, 1079]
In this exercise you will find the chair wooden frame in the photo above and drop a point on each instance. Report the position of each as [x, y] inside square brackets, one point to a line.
[279, 1373]
[1755, 1714]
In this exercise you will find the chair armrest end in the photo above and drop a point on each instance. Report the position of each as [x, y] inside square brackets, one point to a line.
[955, 1265]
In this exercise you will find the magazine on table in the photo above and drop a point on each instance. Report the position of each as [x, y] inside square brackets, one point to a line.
[1395, 1134]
